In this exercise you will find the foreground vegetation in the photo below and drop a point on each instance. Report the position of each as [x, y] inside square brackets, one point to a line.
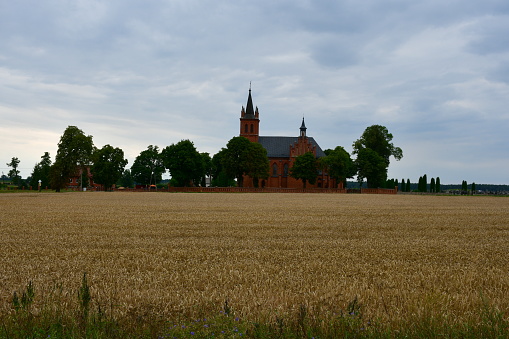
[253, 265]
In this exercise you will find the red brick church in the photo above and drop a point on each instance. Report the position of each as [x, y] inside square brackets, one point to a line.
[281, 151]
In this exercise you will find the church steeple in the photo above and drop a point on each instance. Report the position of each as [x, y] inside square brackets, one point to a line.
[303, 129]
[249, 120]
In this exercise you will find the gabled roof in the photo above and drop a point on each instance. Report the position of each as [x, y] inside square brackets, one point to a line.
[279, 147]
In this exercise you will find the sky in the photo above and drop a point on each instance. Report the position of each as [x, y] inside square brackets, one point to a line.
[133, 73]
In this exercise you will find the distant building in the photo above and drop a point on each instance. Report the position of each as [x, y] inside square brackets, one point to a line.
[281, 151]
[75, 180]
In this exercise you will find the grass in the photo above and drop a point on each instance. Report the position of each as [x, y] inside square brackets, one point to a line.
[289, 265]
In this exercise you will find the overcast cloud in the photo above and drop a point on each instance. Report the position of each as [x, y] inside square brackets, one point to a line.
[137, 73]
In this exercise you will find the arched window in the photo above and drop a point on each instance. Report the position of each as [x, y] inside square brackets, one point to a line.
[274, 169]
[252, 128]
[245, 129]
[285, 170]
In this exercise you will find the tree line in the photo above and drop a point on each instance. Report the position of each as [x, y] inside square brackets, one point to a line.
[77, 153]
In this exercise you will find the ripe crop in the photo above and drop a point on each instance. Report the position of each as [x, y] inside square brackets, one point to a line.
[403, 257]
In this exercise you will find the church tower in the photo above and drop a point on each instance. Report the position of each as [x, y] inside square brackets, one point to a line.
[249, 120]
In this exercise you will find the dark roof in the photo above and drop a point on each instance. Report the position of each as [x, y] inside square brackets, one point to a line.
[250, 114]
[279, 147]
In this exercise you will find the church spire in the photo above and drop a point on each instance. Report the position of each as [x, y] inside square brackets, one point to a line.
[249, 107]
[303, 128]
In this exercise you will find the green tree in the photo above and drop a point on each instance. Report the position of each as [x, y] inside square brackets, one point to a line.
[184, 163]
[74, 153]
[473, 187]
[432, 186]
[437, 185]
[377, 139]
[424, 183]
[219, 176]
[148, 167]
[408, 186]
[305, 168]
[371, 166]
[464, 186]
[339, 165]
[41, 172]
[243, 157]
[109, 163]
[14, 172]
[126, 180]
[257, 163]
[403, 187]
[207, 168]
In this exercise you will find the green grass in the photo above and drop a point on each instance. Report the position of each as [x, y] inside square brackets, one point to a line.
[88, 320]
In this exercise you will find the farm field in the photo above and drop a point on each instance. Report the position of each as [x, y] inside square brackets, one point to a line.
[403, 257]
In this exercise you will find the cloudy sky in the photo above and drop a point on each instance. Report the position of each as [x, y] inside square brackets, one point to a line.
[134, 73]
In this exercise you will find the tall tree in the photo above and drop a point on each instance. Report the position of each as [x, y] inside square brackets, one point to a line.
[464, 186]
[403, 187]
[243, 157]
[408, 187]
[41, 172]
[207, 168]
[473, 188]
[148, 167]
[257, 163]
[377, 139]
[372, 167]
[109, 163]
[184, 163]
[437, 185]
[126, 180]
[432, 186]
[424, 183]
[74, 153]
[339, 165]
[305, 168]
[14, 172]
[220, 178]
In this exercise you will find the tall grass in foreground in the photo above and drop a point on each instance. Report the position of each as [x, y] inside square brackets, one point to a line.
[87, 319]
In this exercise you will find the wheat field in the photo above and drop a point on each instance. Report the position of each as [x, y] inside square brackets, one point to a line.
[402, 256]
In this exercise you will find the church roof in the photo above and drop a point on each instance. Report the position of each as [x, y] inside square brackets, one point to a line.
[250, 113]
[279, 147]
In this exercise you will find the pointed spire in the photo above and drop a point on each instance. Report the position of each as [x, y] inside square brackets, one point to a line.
[249, 107]
[303, 128]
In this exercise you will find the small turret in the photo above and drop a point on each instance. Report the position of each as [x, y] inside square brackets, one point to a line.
[303, 129]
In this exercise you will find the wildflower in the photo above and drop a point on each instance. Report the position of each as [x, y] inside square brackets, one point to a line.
[192, 333]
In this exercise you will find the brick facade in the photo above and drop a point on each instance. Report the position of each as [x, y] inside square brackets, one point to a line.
[281, 152]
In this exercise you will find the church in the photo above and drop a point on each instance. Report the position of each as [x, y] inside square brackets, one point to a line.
[281, 151]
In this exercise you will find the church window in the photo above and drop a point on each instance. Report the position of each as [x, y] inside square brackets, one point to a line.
[274, 169]
[285, 170]
[252, 128]
[245, 128]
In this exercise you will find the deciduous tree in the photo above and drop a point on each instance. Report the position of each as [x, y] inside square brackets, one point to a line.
[184, 162]
[109, 163]
[41, 172]
[14, 172]
[339, 165]
[305, 168]
[148, 167]
[74, 153]
[377, 139]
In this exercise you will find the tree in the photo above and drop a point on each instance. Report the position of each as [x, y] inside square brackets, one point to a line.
[14, 172]
[377, 139]
[41, 172]
[184, 163]
[109, 163]
[424, 183]
[207, 168]
[432, 186]
[437, 185]
[408, 186]
[74, 153]
[243, 157]
[219, 176]
[126, 180]
[464, 186]
[257, 163]
[403, 188]
[371, 166]
[473, 188]
[148, 167]
[305, 168]
[339, 164]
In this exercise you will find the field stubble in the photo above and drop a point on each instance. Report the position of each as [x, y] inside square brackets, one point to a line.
[164, 254]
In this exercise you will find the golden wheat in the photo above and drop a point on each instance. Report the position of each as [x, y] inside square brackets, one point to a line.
[164, 254]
